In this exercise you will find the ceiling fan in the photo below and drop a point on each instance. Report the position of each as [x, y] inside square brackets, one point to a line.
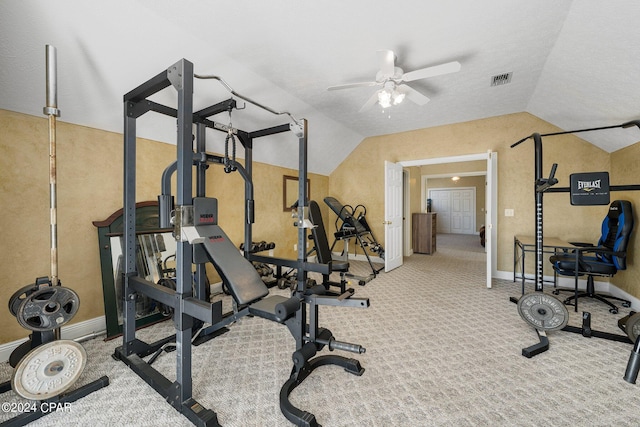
[392, 79]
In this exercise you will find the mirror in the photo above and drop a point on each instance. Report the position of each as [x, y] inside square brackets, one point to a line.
[155, 259]
[290, 191]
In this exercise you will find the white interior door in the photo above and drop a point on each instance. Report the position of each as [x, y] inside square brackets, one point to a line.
[441, 204]
[463, 211]
[491, 223]
[392, 215]
[456, 209]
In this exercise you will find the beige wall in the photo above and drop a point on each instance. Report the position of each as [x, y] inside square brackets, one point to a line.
[515, 174]
[90, 188]
[625, 170]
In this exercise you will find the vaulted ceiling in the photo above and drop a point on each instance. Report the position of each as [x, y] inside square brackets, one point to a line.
[573, 63]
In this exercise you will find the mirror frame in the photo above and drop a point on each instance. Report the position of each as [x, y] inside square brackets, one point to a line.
[288, 198]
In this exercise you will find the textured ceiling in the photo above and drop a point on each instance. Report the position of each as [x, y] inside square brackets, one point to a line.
[574, 63]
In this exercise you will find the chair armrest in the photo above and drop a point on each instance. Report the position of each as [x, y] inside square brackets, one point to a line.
[582, 244]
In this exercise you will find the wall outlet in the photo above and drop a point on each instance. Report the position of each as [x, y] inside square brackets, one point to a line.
[508, 212]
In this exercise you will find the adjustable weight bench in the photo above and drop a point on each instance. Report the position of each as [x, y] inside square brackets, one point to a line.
[247, 289]
[252, 297]
[322, 250]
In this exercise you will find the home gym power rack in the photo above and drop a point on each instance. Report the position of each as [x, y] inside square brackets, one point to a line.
[192, 309]
[545, 312]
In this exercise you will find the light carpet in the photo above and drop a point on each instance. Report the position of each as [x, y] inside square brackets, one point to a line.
[442, 350]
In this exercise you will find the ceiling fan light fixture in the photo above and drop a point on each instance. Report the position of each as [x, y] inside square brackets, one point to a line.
[398, 97]
[384, 98]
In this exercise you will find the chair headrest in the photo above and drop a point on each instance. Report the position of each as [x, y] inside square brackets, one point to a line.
[616, 209]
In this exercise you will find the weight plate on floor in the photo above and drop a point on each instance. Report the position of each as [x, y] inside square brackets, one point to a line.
[632, 327]
[48, 308]
[542, 311]
[49, 369]
[18, 297]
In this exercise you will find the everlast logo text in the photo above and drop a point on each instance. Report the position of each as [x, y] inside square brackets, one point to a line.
[589, 185]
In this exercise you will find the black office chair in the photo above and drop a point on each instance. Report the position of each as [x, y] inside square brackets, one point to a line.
[604, 259]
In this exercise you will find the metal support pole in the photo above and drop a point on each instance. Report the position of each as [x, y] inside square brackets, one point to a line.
[537, 140]
[181, 77]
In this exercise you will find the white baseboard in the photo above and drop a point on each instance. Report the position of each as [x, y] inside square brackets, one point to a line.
[91, 327]
[568, 282]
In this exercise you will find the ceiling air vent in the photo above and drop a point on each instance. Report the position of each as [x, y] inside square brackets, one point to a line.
[501, 79]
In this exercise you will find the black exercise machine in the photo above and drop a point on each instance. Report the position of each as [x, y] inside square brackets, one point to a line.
[542, 311]
[352, 224]
[200, 239]
[323, 252]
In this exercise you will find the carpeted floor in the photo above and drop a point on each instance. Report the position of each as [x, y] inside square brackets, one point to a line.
[442, 350]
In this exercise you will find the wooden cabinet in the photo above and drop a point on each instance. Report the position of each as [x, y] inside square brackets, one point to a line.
[424, 232]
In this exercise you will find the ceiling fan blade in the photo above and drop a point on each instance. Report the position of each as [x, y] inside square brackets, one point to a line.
[413, 95]
[386, 62]
[436, 70]
[350, 85]
[370, 102]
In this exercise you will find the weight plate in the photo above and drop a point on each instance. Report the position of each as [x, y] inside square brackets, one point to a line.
[18, 297]
[48, 308]
[543, 311]
[49, 369]
[632, 327]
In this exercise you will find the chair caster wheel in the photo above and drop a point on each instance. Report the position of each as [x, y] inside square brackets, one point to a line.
[613, 310]
[626, 304]
[362, 283]
[556, 292]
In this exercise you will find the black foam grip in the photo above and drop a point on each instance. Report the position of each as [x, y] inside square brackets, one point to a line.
[300, 357]
[286, 309]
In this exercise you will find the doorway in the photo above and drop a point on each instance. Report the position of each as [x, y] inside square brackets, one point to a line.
[491, 203]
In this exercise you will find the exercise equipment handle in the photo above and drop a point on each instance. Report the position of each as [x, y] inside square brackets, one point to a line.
[333, 344]
[234, 93]
[633, 366]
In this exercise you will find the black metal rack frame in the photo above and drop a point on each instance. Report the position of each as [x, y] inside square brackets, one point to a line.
[190, 309]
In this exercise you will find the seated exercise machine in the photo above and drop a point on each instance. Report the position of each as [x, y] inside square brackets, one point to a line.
[352, 224]
[200, 239]
[543, 311]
